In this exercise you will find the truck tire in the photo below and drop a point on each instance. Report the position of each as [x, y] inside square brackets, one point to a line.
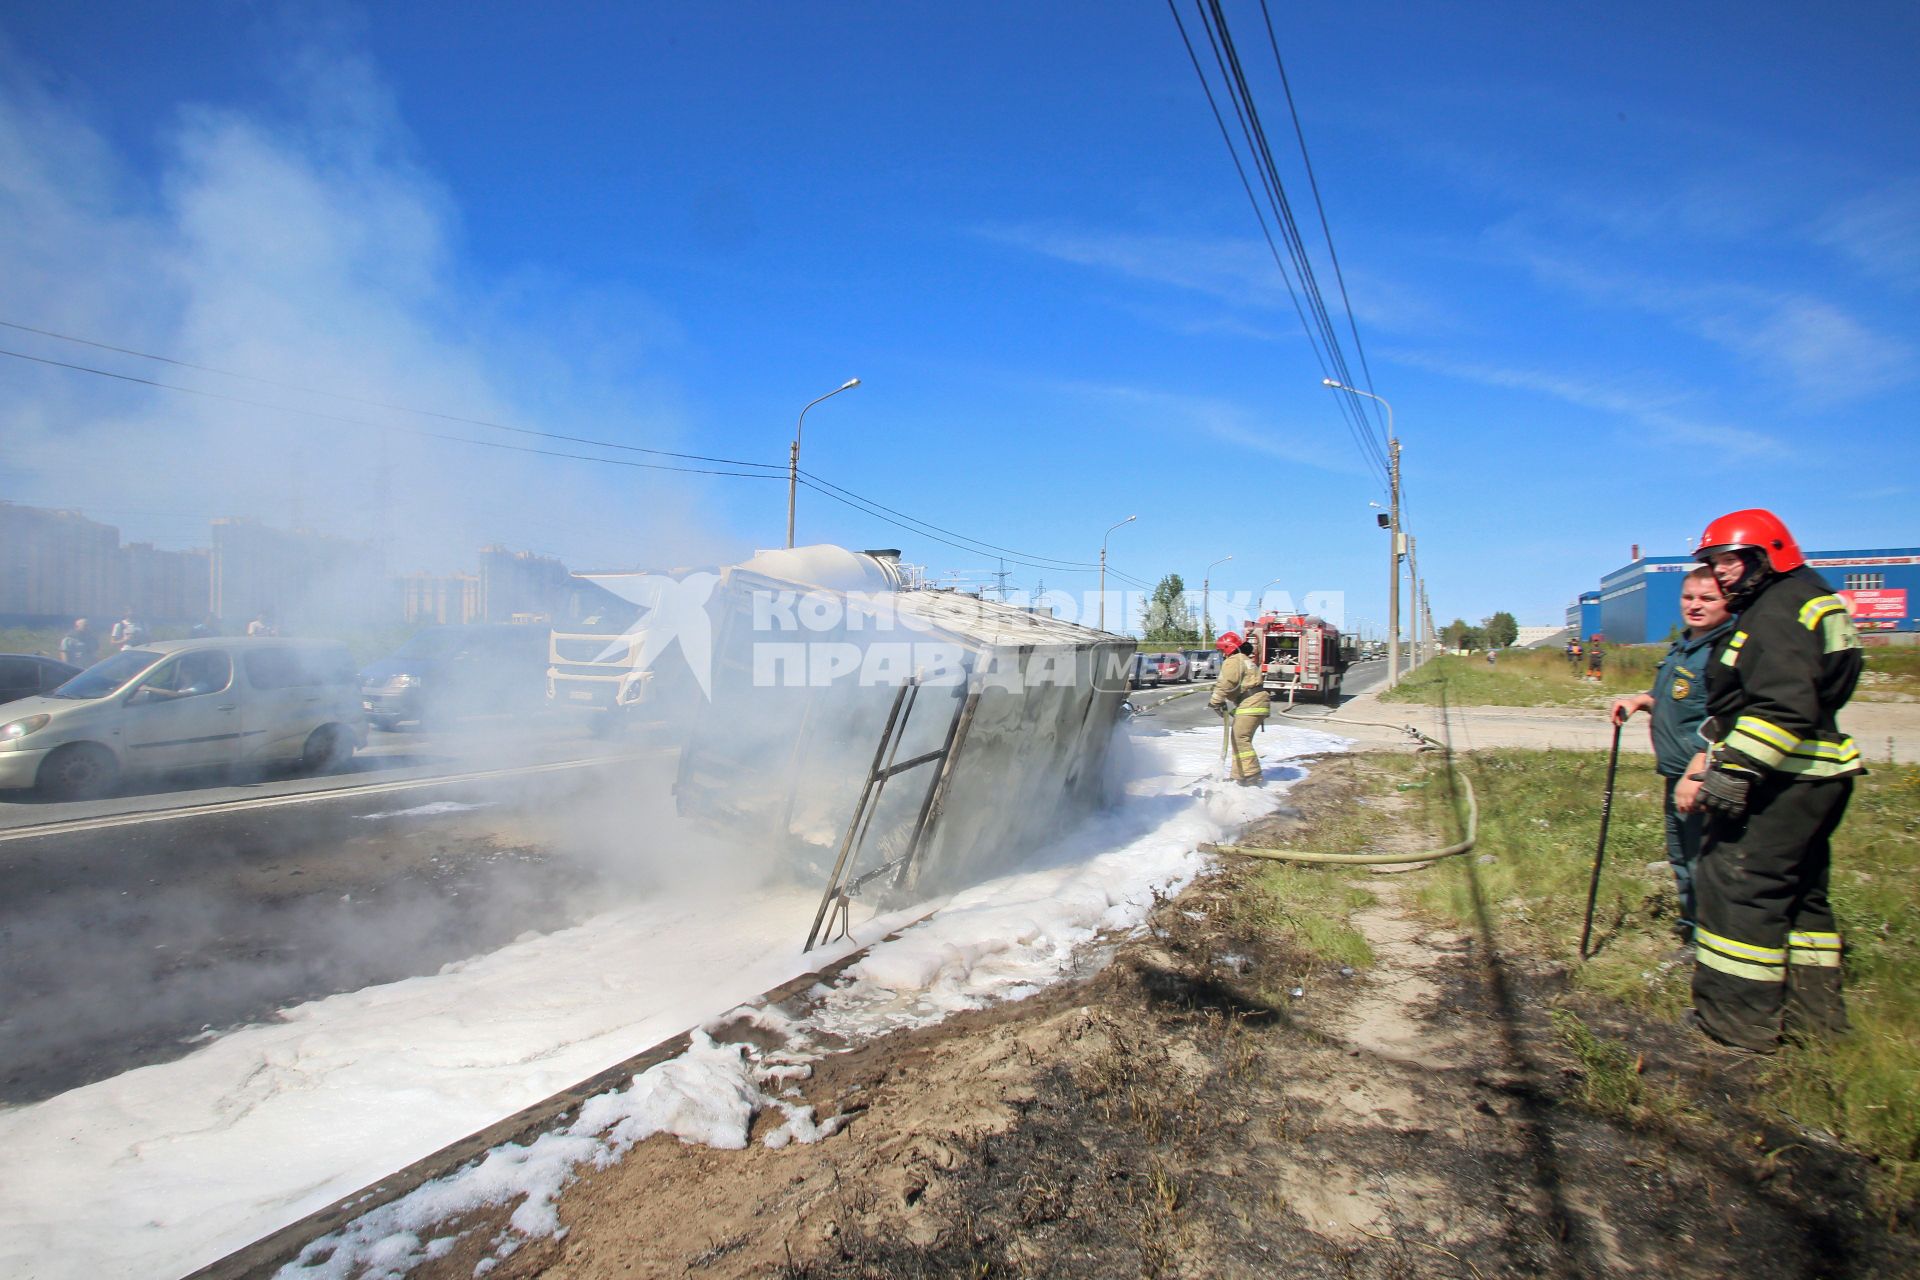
[78, 771]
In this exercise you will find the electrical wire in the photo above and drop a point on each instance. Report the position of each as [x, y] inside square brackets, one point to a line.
[1028, 557]
[1321, 333]
[773, 473]
[1314, 183]
[373, 404]
[818, 483]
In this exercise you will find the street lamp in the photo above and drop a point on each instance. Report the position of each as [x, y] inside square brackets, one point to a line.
[793, 455]
[1260, 601]
[1393, 531]
[1103, 570]
[1206, 612]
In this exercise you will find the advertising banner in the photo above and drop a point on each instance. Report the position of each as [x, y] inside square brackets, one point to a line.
[1875, 605]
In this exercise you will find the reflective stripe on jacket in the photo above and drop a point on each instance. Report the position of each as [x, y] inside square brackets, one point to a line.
[1239, 685]
[1775, 692]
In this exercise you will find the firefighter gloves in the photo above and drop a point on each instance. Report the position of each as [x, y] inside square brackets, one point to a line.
[1724, 790]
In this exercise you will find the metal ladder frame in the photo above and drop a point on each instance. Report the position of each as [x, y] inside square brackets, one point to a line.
[837, 899]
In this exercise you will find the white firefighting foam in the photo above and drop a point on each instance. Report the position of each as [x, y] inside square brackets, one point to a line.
[164, 1169]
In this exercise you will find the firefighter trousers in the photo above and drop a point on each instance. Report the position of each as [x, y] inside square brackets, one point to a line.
[1246, 761]
[1766, 944]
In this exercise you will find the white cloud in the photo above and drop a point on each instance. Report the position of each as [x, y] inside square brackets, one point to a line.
[1812, 345]
[1880, 232]
[1662, 411]
[1302, 445]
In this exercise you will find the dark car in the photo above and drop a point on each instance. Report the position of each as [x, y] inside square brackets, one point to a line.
[1142, 672]
[448, 673]
[26, 675]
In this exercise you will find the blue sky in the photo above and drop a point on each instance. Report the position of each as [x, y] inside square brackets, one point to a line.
[1616, 269]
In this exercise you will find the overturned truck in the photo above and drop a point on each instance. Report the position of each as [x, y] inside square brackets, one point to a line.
[875, 736]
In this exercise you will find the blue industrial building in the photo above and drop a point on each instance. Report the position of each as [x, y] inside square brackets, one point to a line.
[1640, 602]
[1583, 615]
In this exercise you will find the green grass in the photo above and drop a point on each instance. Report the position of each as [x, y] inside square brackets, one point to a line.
[1314, 907]
[1527, 678]
[1892, 673]
[1539, 819]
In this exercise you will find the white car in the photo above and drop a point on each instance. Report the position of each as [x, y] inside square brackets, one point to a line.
[186, 704]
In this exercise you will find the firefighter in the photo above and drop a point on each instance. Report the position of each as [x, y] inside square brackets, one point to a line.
[1239, 693]
[1778, 776]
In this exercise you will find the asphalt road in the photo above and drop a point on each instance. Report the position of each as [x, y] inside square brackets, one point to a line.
[126, 938]
[133, 927]
[399, 761]
[1181, 706]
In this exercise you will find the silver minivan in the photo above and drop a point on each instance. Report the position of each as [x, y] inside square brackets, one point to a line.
[186, 704]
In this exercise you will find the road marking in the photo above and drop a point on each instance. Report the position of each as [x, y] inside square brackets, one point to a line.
[77, 826]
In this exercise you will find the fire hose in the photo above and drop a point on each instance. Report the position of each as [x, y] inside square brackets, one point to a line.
[1363, 859]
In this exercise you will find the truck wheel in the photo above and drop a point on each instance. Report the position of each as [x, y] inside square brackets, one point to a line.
[79, 771]
[327, 747]
[385, 724]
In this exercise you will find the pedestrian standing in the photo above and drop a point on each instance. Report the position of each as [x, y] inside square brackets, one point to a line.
[79, 647]
[1240, 695]
[1677, 703]
[1777, 780]
[1596, 658]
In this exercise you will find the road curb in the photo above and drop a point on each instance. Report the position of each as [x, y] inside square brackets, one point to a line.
[273, 1251]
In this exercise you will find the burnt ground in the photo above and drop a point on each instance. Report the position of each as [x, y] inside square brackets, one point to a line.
[1184, 1113]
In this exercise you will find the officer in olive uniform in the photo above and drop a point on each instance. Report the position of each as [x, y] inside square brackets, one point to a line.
[1776, 786]
[1240, 694]
[1677, 703]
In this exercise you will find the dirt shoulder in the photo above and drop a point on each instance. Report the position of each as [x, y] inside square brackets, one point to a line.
[1216, 1102]
[1886, 731]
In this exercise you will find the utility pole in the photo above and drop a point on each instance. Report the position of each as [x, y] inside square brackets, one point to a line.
[1001, 578]
[1393, 532]
[1393, 560]
[1414, 595]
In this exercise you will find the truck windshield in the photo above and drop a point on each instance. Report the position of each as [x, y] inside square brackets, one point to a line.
[109, 676]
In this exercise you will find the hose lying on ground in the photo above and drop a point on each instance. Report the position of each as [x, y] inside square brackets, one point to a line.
[1362, 859]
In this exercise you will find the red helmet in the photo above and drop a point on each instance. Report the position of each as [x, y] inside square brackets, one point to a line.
[1754, 529]
[1229, 642]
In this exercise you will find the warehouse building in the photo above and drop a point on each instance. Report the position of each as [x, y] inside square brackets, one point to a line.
[1639, 603]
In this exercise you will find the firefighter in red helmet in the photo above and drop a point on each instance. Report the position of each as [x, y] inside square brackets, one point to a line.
[1779, 773]
[1239, 693]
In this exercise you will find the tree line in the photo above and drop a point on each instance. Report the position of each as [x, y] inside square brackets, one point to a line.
[1496, 631]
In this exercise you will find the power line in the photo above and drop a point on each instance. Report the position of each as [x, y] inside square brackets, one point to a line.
[1314, 183]
[818, 483]
[1028, 557]
[773, 473]
[373, 404]
[1321, 333]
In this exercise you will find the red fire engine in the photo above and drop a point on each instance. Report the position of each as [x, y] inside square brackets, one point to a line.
[1299, 655]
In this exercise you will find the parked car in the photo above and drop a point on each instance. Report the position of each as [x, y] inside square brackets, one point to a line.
[1203, 664]
[22, 675]
[185, 704]
[1173, 667]
[1143, 672]
[446, 673]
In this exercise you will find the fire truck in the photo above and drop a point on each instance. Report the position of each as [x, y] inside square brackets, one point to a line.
[1300, 655]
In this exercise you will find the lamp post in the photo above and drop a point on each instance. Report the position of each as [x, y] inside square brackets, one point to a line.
[1260, 601]
[1393, 532]
[1206, 612]
[1103, 570]
[793, 455]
